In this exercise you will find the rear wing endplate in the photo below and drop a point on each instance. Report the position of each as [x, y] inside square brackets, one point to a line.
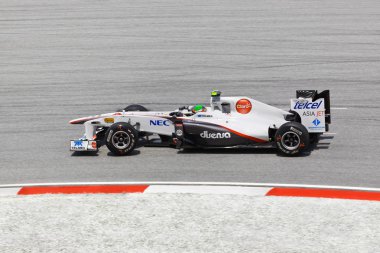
[314, 109]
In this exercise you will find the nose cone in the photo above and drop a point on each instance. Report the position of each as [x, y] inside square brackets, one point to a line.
[81, 120]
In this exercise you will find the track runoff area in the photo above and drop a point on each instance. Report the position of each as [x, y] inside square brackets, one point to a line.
[188, 217]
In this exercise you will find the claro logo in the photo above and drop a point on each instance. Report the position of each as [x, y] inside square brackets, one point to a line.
[243, 106]
[207, 135]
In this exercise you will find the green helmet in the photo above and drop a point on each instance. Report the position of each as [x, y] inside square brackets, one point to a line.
[198, 108]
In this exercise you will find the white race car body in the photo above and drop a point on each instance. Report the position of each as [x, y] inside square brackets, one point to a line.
[227, 122]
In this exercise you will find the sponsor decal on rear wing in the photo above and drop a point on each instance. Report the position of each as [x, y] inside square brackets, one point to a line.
[312, 113]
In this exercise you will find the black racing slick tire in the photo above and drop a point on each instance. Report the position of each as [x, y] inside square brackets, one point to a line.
[292, 139]
[135, 108]
[121, 138]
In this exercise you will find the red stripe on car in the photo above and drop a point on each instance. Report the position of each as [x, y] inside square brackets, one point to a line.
[244, 135]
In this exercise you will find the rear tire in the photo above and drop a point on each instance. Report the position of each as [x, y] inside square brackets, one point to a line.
[135, 108]
[292, 139]
[121, 138]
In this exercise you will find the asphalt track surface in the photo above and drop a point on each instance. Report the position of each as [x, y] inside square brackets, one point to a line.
[66, 59]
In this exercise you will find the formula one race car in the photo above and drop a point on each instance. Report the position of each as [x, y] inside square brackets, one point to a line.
[228, 122]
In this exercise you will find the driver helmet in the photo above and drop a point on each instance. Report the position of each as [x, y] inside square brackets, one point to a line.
[198, 108]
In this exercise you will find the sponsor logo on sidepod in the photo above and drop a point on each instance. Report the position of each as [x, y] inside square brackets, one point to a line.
[207, 135]
[243, 106]
[159, 123]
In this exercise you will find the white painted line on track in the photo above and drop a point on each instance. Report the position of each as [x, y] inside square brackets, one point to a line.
[197, 184]
[339, 108]
[235, 190]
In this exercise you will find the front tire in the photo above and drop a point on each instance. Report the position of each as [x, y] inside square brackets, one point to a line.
[292, 139]
[121, 138]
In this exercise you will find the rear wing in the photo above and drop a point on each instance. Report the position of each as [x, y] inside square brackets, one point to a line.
[313, 109]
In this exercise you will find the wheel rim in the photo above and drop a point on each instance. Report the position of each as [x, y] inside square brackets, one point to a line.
[290, 140]
[121, 140]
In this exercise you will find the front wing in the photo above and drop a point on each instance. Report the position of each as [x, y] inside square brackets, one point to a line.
[82, 145]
